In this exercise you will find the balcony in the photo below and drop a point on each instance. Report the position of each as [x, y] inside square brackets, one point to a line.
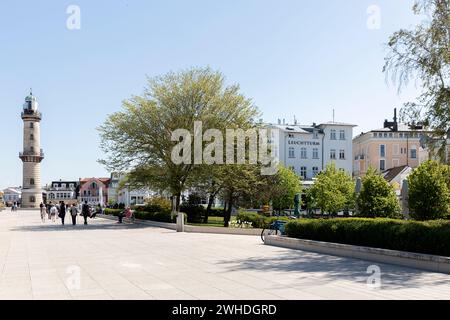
[31, 114]
[30, 156]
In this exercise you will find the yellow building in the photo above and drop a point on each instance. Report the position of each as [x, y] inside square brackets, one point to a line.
[392, 146]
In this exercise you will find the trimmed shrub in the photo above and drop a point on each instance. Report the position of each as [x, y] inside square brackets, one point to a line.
[257, 220]
[113, 212]
[153, 216]
[195, 213]
[430, 237]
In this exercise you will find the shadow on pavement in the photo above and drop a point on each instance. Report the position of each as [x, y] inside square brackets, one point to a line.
[309, 265]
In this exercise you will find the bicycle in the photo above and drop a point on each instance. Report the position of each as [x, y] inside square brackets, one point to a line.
[274, 228]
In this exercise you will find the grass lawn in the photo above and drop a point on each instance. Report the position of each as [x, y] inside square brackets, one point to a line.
[212, 222]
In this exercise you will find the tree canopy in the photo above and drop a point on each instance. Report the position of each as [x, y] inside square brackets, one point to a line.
[423, 54]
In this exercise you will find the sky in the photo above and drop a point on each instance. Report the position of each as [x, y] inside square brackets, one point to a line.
[299, 58]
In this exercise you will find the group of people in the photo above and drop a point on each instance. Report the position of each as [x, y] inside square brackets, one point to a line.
[53, 211]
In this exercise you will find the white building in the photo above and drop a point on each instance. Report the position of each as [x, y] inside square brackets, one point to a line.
[11, 195]
[127, 195]
[308, 149]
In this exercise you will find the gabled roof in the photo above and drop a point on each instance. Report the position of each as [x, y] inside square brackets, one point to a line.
[390, 174]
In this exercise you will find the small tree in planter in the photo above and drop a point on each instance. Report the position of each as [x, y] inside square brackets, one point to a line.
[429, 191]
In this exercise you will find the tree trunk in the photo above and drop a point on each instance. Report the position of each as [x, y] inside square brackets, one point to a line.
[227, 215]
[208, 209]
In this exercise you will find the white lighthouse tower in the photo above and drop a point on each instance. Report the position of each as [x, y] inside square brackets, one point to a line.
[32, 154]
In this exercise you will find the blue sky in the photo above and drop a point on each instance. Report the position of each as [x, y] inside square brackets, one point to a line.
[292, 57]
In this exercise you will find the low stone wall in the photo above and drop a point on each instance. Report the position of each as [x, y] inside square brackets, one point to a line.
[403, 258]
[166, 225]
[190, 228]
[221, 230]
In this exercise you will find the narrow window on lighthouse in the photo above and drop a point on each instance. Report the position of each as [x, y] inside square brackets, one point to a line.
[31, 136]
[31, 125]
[31, 182]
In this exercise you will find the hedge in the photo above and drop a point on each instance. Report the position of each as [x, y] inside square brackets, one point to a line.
[153, 216]
[430, 237]
[113, 212]
[257, 220]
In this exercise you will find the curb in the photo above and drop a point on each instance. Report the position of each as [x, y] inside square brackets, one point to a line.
[403, 258]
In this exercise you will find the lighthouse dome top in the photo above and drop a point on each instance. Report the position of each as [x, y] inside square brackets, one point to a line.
[30, 102]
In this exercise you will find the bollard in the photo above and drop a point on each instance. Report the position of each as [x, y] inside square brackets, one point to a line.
[180, 222]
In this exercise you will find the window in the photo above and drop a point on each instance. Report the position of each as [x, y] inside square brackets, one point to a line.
[303, 153]
[375, 134]
[315, 134]
[382, 150]
[31, 136]
[400, 135]
[390, 135]
[315, 153]
[342, 135]
[31, 182]
[333, 134]
[291, 153]
[382, 165]
[292, 168]
[413, 153]
[303, 172]
[396, 149]
[32, 149]
[332, 154]
[55, 185]
[31, 125]
[63, 185]
[385, 135]
[342, 154]
[32, 199]
[315, 171]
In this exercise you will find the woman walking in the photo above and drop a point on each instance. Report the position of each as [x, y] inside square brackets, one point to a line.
[53, 212]
[43, 211]
[74, 212]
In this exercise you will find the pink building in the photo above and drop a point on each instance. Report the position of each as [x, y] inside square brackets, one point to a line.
[90, 190]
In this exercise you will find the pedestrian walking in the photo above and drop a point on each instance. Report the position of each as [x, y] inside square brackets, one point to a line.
[53, 213]
[74, 213]
[43, 211]
[62, 211]
[85, 211]
[48, 207]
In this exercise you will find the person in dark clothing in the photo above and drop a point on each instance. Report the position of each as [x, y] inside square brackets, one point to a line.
[62, 211]
[85, 211]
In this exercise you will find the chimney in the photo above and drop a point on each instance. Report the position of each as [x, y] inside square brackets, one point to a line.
[284, 122]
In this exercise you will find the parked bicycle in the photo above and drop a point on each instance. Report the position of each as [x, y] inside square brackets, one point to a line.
[275, 228]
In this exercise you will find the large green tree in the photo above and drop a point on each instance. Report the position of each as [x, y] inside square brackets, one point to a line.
[423, 54]
[377, 197]
[279, 189]
[139, 138]
[333, 190]
[429, 191]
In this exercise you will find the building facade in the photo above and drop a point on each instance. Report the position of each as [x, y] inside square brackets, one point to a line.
[126, 195]
[11, 195]
[308, 149]
[32, 154]
[67, 191]
[392, 146]
[94, 190]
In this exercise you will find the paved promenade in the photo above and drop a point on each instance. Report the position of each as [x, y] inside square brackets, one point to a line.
[108, 261]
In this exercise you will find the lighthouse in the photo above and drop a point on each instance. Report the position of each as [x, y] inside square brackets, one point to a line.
[32, 154]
